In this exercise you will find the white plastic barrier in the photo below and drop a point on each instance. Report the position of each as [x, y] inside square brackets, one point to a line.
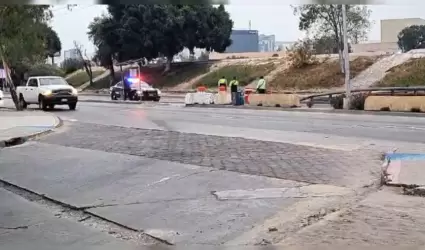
[203, 98]
[199, 98]
[1, 99]
[188, 99]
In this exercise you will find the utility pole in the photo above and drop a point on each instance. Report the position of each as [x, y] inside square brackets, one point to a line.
[346, 59]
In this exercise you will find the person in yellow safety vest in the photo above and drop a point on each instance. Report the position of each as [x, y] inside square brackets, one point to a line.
[261, 86]
[234, 89]
[222, 82]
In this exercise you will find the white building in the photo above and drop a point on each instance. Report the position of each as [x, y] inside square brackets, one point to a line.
[267, 43]
[390, 28]
[71, 54]
[283, 45]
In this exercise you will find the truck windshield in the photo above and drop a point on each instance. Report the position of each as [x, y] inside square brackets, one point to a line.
[52, 81]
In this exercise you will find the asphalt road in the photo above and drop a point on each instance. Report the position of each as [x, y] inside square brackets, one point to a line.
[221, 121]
[201, 175]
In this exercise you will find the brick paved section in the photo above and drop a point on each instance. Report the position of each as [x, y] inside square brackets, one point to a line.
[279, 160]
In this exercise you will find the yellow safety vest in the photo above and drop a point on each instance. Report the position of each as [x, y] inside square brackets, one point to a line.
[234, 82]
[222, 81]
[261, 84]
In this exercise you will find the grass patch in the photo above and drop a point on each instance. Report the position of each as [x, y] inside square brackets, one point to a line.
[410, 73]
[322, 75]
[81, 77]
[244, 73]
[179, 73]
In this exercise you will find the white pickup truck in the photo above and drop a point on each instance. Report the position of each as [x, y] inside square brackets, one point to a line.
[47, 91]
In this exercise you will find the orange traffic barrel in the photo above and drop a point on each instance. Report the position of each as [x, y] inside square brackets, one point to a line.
[201, 89]
[247, 93]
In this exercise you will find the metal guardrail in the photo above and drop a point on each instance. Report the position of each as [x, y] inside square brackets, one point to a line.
[391, 90]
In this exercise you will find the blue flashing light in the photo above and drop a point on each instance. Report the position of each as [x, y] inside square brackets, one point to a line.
[133, 80]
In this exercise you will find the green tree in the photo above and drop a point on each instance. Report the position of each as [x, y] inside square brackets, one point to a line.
[152, 30]
[52, 42]
[326, 20]
[173, 2]
[326, 45]
[412, 37]
[104, 32]
[21, 40]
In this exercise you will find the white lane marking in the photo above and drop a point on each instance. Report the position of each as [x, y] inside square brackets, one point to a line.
[163, 180]
[64, 118]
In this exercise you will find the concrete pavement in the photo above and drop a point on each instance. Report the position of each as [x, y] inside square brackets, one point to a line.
[217, 177]
[27, 225]
[23, 125]
[406, 170]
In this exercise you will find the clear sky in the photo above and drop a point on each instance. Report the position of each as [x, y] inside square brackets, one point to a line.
[269, 17]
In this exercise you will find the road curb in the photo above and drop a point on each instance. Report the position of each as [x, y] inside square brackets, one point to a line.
[22, 139]
[115, 102]
[132, 102]
[332, 111]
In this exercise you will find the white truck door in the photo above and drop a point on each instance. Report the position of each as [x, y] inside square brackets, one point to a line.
[31, 91]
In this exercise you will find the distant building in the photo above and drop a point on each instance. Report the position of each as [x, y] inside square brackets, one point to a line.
[283, 45]
[243, 41]
[390, 28]
[267, 43]
[71, 54]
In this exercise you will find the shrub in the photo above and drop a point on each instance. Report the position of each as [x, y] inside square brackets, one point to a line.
[385, 109]
[337, 102]
[357, 101]
[310, 103]
[45, 70]
[301, 55]
[275, 55]
[416, 110]
[71, 65]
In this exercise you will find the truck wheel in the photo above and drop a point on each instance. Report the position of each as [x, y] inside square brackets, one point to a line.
[113, 97]
[72, 106]
[22, 102]
[156, 99]
[42, 104]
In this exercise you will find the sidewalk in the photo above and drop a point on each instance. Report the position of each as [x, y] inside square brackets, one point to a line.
[24, 125]
[27, 225]
[406, 170]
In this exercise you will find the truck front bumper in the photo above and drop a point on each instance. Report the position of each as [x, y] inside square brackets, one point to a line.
[59, 100]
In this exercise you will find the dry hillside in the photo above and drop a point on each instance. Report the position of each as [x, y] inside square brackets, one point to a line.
[324, 73]
[410, 73]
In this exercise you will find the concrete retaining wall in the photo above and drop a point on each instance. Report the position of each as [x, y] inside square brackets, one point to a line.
[395, 103]
[272, 100]
[223, 98]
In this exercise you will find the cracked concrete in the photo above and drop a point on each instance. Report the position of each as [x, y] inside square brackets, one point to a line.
[143, 194]
[383, 218]
[308, 191]
[31, 225]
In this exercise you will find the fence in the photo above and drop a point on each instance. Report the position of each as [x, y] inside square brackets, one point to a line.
[323, 97]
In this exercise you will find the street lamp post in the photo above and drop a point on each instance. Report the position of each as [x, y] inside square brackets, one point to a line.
[346, 59]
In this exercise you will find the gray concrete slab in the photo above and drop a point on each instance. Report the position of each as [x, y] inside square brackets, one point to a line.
[80, 177]
[25, 225]
[91, 178]
[23, 124]
[196, 221]
[406, 171]
[170, 200]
